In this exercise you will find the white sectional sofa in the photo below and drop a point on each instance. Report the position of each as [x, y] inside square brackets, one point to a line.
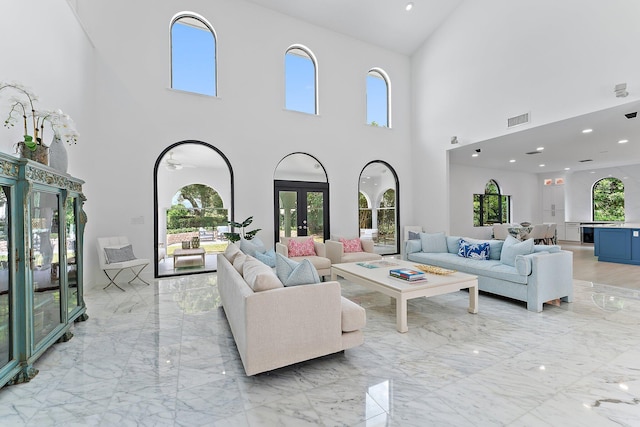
[279, 326]
[543, 275]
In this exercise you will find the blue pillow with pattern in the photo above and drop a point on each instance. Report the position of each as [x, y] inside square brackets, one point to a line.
[474, 250]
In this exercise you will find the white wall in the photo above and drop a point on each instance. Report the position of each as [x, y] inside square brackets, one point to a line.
[579, 185]
[138, 116]
[499, 58]
[522, 187]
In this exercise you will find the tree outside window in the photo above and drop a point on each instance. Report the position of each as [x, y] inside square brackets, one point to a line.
[608, 200]
[365, 214]
[491, 207]
[387, 216]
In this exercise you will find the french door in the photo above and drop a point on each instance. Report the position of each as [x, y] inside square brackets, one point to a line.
[301, 209]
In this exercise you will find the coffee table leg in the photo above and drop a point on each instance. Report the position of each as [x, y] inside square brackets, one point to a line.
[473, 298]
[401, 315]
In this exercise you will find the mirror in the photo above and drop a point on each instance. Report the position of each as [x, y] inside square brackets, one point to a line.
[194, 201]
[378, 207]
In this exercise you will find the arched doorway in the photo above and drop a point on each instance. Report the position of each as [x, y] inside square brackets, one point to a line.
[379, 201]
[193, 200]
[301, 204]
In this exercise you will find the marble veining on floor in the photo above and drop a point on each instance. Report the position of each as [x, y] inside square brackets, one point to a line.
[163, 355]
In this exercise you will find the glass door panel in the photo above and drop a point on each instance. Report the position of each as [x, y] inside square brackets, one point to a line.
[5, 278]
[72, 266]
[315, 215]
[288, 214]
[44, 264]
[302, 209]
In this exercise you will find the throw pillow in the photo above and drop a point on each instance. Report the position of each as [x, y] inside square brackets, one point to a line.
[474, 250]
[238, 262]
[268, 258]
[231, 252]
[258, 276]
[413, 235]
[251, 247]
[453, 244]
[496, 247]
[433, 243]
[352, 245]
[119, 254]
[513, 247]
[292, 273]
[301, 247]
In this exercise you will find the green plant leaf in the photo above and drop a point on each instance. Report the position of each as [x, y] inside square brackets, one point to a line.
[232, 237]
[247, 222]
[251, 234]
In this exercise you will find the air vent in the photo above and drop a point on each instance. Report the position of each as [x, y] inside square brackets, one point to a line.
[534, 152]
[585, 160]
[518, 120]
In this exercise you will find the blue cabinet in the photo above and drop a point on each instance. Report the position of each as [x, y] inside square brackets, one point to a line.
[41, 264]
[617, 244]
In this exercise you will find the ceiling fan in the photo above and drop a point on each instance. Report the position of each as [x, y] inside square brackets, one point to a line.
[172, 164]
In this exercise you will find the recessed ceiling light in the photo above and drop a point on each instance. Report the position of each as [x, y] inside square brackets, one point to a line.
[587, 130]
[592, 172]
[539, 148]
[623, 141]
[409, 6]
[542, 165]
[512, 161]
[567, 169]
[474, 155]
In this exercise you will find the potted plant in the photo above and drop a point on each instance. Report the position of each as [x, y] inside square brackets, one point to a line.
[247, 235]
[23, 107]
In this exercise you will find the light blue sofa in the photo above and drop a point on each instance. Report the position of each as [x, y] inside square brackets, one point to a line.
[544, 275]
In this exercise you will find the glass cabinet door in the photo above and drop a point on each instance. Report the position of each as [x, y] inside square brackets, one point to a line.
[73, 300]
[44, 264]
[5, 278]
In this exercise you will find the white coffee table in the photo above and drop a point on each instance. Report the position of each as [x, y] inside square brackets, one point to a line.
[378, 279]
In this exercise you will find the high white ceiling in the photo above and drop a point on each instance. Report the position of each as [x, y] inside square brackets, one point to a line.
[383, 23]
[564, 144]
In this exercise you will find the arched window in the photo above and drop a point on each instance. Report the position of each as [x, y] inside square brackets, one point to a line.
[301, 80]
[608, 200]
[491, 207]
[378, 213]
[378, 98]
[193, 54]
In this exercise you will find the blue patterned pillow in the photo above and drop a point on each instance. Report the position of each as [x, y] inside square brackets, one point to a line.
[413, 235]
[292, 273]
[474, 250]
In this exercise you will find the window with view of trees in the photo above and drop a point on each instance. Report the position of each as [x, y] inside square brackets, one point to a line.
[608, 200]
[365, 212]
[387, 216]
[194, 207]
[491, 207]
[193, 55]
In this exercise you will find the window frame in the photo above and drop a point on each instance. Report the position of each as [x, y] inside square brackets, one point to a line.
[385, 77]
[593, 199]
[205, 24]
[503, 202]
[314, 61]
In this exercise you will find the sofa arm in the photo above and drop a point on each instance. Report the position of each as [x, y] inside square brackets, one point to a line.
[320, 249]
[287, 325]
[551, 278]
[282, 249]
[335, 251]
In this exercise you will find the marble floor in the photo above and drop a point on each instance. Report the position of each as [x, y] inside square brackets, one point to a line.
[163, 355]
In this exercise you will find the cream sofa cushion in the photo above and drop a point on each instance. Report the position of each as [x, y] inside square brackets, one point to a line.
[231, 252]
[258, 276]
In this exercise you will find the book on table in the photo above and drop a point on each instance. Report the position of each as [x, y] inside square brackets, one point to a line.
[407, 274]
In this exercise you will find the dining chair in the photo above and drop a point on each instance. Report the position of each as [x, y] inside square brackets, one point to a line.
[538, 233]
[550, 238]
[500, 231]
